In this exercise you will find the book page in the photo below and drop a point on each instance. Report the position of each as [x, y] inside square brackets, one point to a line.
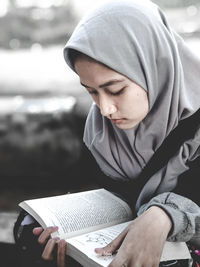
[88, 242]
[80, 212]
[82, 247]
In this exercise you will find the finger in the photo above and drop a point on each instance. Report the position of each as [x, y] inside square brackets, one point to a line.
[123, 263]
[113, 246]
[48, 250]
[37, 230]
[123, 260]
[45, 235]
[61, 253]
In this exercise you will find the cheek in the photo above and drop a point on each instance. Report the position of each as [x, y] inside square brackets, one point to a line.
[135, 103]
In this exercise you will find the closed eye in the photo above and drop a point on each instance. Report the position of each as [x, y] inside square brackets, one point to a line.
[94, 92]
[118, 92]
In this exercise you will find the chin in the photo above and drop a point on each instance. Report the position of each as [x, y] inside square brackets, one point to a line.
[126, 126]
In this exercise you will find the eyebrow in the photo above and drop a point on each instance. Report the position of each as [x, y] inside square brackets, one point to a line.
[108, 83]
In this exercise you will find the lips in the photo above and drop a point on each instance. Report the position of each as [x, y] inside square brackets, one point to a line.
[117, 121]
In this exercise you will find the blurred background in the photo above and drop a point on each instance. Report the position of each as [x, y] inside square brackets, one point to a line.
[42, 106]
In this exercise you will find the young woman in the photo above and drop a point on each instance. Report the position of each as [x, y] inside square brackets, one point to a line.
[144, 82]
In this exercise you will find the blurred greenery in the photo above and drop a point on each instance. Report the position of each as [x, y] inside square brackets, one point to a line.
[23, 26]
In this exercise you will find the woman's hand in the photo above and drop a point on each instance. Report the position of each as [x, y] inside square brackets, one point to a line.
[142, 242]
[49, 244]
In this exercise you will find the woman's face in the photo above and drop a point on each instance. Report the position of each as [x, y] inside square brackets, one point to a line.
[119, 99]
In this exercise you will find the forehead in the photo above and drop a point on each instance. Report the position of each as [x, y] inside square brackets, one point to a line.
[93, 74]
[87, 65]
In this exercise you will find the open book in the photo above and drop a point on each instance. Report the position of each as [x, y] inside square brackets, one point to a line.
[88, 220]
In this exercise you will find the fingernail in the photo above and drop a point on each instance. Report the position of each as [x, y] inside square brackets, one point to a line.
[98, 250]
[54, 228]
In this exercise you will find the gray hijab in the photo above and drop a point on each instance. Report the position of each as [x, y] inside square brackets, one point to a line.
[134, 39]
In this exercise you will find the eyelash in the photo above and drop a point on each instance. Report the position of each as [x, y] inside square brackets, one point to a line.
[118, 92]
[113, 94]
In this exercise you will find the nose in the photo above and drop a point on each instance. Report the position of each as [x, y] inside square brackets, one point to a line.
[107, 106]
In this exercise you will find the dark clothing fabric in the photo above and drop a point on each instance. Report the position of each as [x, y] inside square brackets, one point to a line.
[28, 249]
[187, 184]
